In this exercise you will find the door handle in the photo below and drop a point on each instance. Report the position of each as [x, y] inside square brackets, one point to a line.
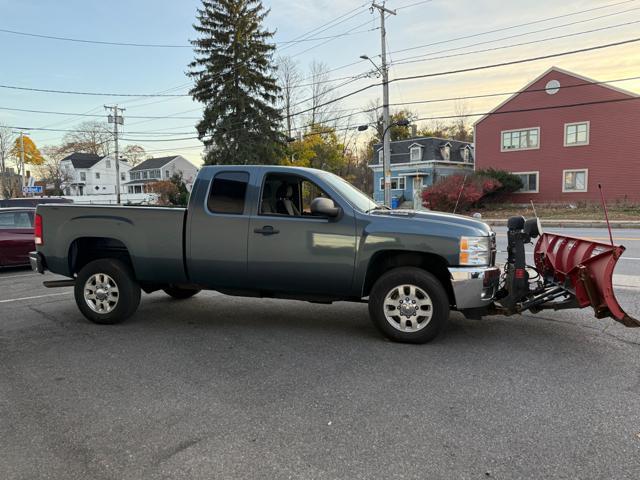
[266, 230]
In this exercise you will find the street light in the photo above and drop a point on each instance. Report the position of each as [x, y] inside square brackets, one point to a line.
[365, 57]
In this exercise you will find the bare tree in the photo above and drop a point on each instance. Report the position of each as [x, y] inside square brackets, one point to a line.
[461, 129]
[135, 154]
[321, 92]
[288, 80]
[51, 169]
[7, 140]
[89, 137]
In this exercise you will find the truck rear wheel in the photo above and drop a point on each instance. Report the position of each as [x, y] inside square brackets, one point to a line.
[181, 293]
[106, 291]
[408, 304]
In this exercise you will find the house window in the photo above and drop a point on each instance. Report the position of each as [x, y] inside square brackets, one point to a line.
[107, 163]
[380, 156]
[97, 175]
[445, 151]
[574, 180]
[576, 134]
[415, 154]
[130, 189]
[167, 174]
[145, 174]
[521, 139]
[529, 181]
[425, 181]
[465, 153]
[123, 176]
[137, 189]
[397, 183]
[134, 175]
[83, 176]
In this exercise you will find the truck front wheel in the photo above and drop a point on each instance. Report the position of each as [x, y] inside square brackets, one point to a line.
[408, 304]
[106, 291]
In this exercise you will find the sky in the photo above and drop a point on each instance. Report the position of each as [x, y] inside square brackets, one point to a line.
[429, 30]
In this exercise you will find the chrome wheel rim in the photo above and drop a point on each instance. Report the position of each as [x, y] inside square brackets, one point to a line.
[408, 308]
[101, 293]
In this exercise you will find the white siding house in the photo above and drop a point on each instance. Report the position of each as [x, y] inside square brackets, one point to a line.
[89, 174]
[155, 169]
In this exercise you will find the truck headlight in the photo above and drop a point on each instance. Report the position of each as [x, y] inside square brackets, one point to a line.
[474, 251]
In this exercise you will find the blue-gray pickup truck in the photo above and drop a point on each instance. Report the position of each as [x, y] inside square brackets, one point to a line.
[294, 233]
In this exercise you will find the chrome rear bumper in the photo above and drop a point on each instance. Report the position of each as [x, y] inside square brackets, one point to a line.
[474, 287]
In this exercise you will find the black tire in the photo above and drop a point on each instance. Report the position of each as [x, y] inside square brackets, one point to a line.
[439, 308]
[181, 293]
[128, 295]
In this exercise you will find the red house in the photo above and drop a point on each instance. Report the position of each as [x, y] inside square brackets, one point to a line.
[564, 134]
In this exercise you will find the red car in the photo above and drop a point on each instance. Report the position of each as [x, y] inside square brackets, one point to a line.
[16, 236]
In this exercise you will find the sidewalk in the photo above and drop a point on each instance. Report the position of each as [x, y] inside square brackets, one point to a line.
[502, 222]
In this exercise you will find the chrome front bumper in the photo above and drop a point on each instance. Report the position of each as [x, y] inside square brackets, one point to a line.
[474, 287]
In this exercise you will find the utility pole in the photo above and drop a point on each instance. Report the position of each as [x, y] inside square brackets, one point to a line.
[21, 169]
[117, 119]
[386, 137]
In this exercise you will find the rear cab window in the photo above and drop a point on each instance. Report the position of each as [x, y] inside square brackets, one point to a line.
[16, 220]
[228, 192]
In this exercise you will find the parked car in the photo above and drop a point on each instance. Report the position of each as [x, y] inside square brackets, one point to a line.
[31, 201]
[306, 234]
[16, 236]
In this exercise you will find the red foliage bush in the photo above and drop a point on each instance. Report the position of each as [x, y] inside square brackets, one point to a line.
[470, 189]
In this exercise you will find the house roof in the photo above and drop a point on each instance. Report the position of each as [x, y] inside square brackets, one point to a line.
[83, 160]
[430, 149]
[153, 163]
[140, 182]
[558, 70]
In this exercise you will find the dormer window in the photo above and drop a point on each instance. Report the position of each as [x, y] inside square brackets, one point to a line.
[445, 151]
[465, 153]
[415, 153]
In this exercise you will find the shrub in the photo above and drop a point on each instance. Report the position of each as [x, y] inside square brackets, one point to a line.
[465, 190]
[510, 182]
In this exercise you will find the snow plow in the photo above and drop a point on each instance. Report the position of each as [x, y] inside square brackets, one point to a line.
[567, 273]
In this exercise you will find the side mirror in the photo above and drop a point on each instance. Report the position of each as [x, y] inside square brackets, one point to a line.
[324, 207]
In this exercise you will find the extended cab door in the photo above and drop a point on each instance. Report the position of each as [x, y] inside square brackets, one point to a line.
[291, 251]
[217, 230]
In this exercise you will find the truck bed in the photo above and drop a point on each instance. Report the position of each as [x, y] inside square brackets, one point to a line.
[153, 237]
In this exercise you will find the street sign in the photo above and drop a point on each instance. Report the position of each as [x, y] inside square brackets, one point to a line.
[32, 189]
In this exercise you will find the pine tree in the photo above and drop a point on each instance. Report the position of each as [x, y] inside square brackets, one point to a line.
[234, 79]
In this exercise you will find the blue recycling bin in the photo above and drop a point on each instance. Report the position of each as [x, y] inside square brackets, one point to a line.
[395, 202]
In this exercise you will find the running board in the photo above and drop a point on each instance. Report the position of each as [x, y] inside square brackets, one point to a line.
[59, 283]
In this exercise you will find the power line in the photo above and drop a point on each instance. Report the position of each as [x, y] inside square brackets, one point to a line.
[472, 69]
[49, 112]
[532, 42]
[423, 58]
[511, 27]
[516, 62]
[98, 94]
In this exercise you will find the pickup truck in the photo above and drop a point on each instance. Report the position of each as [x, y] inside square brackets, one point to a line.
[305, 234]
[271, 231]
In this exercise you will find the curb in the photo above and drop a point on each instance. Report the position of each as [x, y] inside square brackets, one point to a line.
[498, 222]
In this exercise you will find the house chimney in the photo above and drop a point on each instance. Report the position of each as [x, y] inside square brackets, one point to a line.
[414, 130]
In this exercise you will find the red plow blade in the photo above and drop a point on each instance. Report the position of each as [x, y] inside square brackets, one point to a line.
[584, 268]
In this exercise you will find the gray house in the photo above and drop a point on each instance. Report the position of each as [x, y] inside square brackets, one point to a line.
[162, 168]
[417, 163]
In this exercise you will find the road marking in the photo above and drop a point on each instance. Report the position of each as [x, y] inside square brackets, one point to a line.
[34, 297]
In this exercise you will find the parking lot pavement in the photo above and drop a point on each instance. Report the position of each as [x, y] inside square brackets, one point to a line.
[222, 387]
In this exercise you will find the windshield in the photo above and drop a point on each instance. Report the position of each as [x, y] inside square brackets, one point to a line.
[355, 197]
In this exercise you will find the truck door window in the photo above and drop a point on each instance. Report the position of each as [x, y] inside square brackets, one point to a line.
[288, 195]
[227, 194]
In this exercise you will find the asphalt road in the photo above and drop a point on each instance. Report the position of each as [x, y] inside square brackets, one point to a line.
[222, 387]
